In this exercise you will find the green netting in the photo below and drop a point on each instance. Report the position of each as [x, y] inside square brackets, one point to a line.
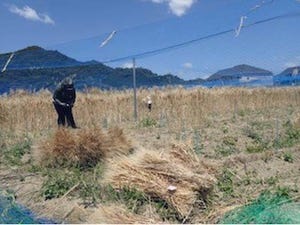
[267, 209]
[11, 213]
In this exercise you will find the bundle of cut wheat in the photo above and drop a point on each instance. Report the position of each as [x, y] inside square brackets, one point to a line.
[84, 147]
[164, 176]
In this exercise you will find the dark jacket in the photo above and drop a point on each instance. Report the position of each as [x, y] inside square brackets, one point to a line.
[65, 94]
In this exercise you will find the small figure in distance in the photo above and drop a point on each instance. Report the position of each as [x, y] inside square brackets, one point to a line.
[63, 100]
[148, 102]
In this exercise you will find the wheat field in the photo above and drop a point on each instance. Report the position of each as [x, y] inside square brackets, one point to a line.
[251, 132]
[25, 112]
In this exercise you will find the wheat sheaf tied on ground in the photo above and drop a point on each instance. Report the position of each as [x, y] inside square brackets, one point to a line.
[152, 173]
[85, 147]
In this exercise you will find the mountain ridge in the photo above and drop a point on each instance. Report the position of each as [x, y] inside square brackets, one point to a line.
[35, 68]
[37, 57]
[236, 72]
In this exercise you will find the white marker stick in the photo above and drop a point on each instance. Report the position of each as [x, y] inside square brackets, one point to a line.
[108, 38]
[8, 61]
[238, 30]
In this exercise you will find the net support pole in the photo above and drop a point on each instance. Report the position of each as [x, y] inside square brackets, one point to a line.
[134, 90]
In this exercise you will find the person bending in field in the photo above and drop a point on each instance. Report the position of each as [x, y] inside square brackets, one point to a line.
[63, 100]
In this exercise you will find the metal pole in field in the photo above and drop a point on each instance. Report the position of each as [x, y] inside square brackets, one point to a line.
[134, 89]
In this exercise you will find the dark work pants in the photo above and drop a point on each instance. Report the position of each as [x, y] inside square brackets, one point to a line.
[64, 113]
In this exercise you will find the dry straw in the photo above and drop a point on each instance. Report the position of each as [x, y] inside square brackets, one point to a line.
[3, 114]
[152, 173]
[85, 147]
[118, 214]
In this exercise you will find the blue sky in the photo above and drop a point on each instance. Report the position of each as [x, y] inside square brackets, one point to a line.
[78, 27]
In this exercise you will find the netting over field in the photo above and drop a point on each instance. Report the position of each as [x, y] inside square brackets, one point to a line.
[11, 213]
[267, 209]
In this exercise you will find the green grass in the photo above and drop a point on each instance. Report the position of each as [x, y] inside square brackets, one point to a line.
[148, 122]
[132, 198]
[227, 147]
[251, 133]
[289, 138]
[89, 185]
[288, 157]
[256, 148]
[230, 141]
[58, 182]
[241, 113]
[225, 182]
[272, 180]
[224, 150]
[258, 143]
[13, 155]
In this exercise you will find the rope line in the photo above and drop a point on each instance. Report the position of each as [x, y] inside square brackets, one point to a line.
[171, 47]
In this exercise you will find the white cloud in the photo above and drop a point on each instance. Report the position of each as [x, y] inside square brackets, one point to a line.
[31, 14]
[128, 65]
[187, 65]
[177, 7]
[47, 19]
